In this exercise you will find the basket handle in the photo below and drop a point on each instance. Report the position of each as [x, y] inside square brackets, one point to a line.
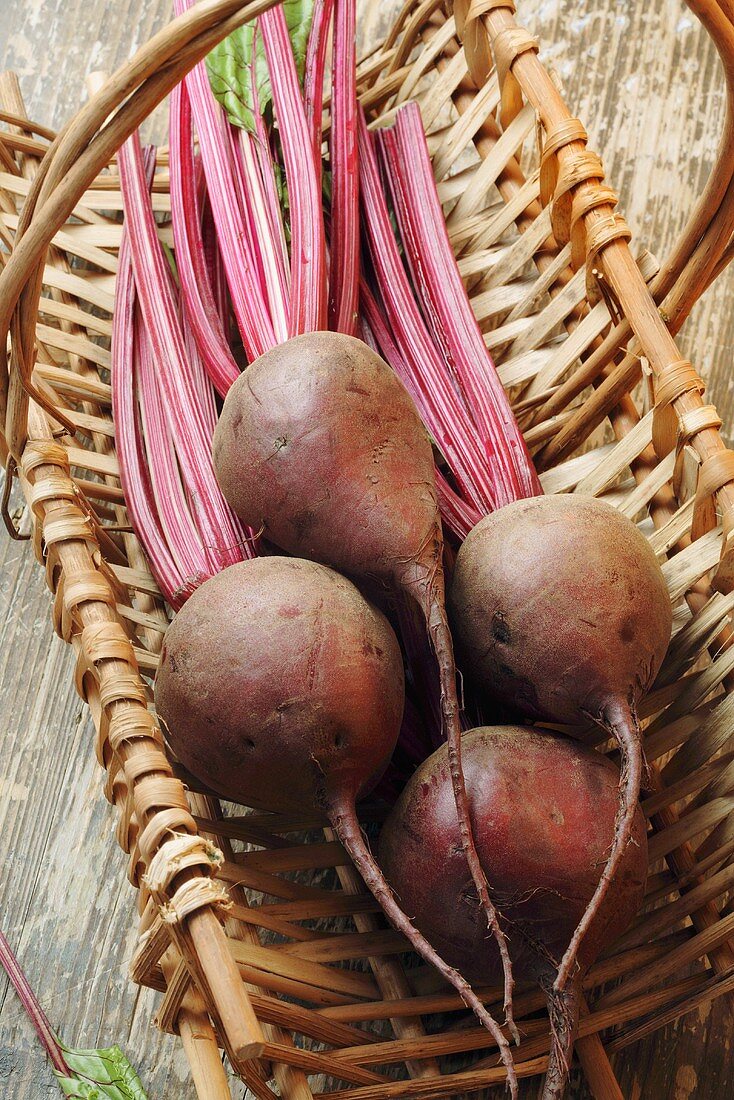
[584, 208]
[485, 48]
[713, 214]
[702, 252]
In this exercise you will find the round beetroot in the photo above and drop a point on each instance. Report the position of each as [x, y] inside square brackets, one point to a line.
[281, 656]
[559, 607]
[542, 807]
[320, 442]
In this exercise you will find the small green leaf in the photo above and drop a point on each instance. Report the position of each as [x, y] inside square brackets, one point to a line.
[168, 253]
[282, 192]
[100, 1075]
[229, 64]
[280, 186]
[326, 187]
[229, 69]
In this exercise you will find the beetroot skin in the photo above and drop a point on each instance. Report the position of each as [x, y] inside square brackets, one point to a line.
[277, 655]
[559, 608]
[320, 442]
[543, 808]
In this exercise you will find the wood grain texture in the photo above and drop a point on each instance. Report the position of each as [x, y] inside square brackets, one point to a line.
[644, 79]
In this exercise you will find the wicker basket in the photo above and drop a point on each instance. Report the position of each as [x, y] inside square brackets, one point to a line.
[558, 294]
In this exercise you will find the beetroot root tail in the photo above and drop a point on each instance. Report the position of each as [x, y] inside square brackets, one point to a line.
[563, 1013]
[343, 817]
[453, 745]
[426, 584]
[619, 720]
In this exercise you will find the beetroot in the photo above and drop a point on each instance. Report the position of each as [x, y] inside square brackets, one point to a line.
[542, 807]
[320, 446]
[282, 688]
[560, 609]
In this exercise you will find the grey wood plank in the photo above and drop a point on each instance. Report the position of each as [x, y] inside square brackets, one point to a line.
[645, 80]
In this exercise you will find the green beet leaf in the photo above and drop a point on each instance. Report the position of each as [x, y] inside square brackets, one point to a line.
[100, 1075]
[229, 65]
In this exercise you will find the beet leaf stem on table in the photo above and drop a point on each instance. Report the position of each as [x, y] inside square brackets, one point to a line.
[80, 1073]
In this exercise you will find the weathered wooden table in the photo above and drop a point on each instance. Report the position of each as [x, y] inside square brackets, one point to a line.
[645, 80]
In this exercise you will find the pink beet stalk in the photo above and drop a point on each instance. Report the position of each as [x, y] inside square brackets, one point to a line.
[140, 503]
[204, 387]
[198, 295]
[261, 144]
[344, 280]
[219, 531]
[165, 478]
[313, 83]
[246, 290]
[456, 513]
[215, 267]
[270, 262]
[447, 308]
[308, 301]
[426, 376]
[458, 516]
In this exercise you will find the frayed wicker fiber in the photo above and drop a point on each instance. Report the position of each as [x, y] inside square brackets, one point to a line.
[581, 323]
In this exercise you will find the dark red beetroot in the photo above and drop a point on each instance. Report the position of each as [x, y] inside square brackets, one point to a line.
[281, 687]
[559, 608]
[542, 807]
[320, 445]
